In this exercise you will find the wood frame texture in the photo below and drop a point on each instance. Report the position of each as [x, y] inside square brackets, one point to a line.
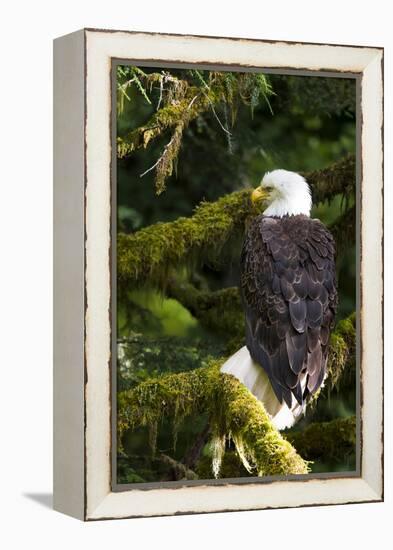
[82, 292]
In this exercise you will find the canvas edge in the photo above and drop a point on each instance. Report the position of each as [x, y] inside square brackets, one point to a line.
[68, 274]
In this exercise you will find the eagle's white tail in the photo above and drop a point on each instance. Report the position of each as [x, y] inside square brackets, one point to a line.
[256, 380]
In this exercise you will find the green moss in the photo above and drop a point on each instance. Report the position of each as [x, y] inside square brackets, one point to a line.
[147, 255]
[149, 468]
[342, 348]
[339, 178]
[182, 101]
[176, 116]
[168, 159]
[244, 419]
[343, 229]
[234, 413]
[178, 112]
[141, 357]
[126, 473]
[330, 441]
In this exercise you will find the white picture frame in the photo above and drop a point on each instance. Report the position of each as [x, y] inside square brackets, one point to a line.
[83, 206]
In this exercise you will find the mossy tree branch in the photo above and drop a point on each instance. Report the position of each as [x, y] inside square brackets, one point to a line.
[167, 468]
[184, 100]
[333, 442]
[327, 440]
[222, 311]
[148, 254]
[342, 349]
[179, 470]
[343, 229]
[338, 178]
[234, 413]
[146, 257]
[170, 116]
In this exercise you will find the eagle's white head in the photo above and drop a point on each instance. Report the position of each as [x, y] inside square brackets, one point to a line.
[286, 194]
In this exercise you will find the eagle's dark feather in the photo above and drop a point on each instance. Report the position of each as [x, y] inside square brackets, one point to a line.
[288, 284]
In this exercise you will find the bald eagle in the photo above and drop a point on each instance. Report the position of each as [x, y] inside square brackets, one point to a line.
[288, 287]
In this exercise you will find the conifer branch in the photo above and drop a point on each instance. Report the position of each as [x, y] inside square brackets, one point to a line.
[148, 254]
[234, 414]
[343, 229]
[179, 112]
[183, 101]
[338, 178]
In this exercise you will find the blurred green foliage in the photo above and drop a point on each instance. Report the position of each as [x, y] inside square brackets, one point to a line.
[303, 123]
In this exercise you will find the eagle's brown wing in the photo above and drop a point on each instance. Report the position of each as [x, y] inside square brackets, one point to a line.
[288, 285]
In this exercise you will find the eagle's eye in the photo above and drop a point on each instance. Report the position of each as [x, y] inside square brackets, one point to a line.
[268, 188]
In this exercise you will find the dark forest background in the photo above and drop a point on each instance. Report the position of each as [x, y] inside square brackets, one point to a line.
[299, 123]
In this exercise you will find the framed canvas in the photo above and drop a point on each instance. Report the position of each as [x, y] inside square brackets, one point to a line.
[186, 167]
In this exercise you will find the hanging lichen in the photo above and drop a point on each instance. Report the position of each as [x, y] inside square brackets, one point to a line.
[148, 254]
[217, 449]
[167, 161]
[235, 414]
[180, 102]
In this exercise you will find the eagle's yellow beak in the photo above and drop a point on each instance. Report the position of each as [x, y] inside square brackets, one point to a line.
[259, 194]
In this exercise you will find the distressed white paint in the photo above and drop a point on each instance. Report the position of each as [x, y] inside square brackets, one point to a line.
[371, 268]
[227, 51]
[101, 46]
[233, 497]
